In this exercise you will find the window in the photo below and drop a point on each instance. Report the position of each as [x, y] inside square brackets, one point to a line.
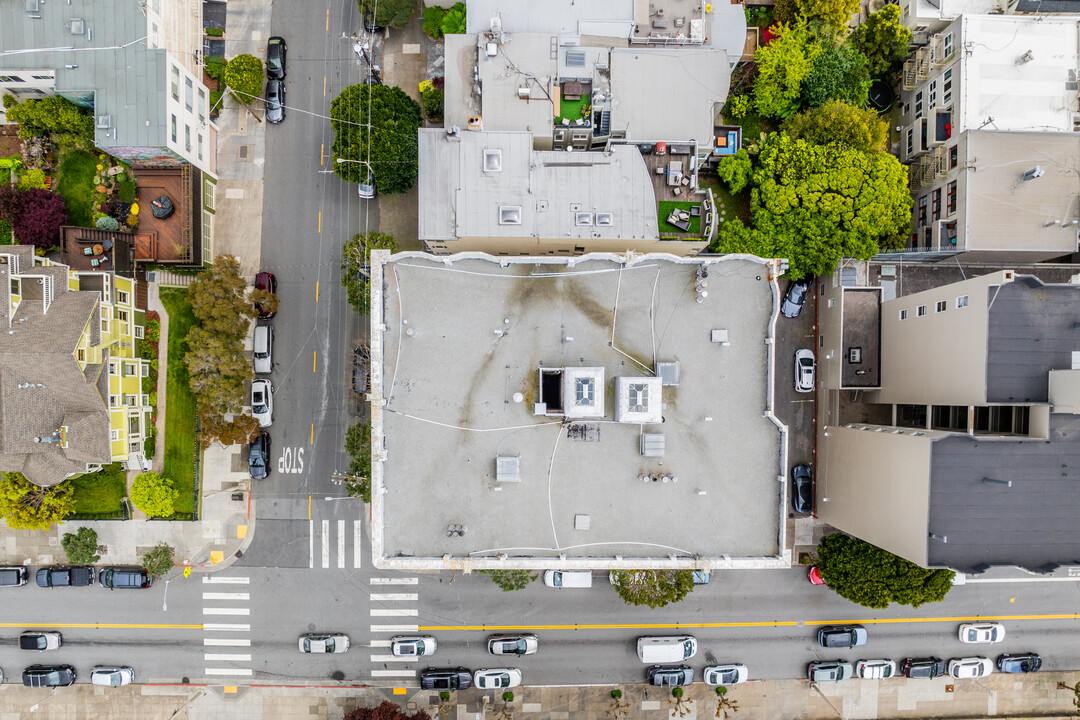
[145, 399]
[187, 138]
[134, 447]
[121, 297]
[821, 341]
[145, 370]
[832, 302]
[940, 306]
[42, 77]
[104, 323]
[922, 211]
[951, 197]
[932, 100]
[946, 87]
[961, 302]
[114, 434]
[189, 94]
[172, 127]
[11, 78]
[114, 367]
[910, 141]
[948, 46]
[155, 40]
[199, 147]
[114, 401]
[510, 215]
[122, 315]
[935, 210]
[140, 331]
[175, 83]
[920, 311]
[907, 108]
[903, 314]
[131, 370]
[954, 153]
[202, 105]
[918, 104]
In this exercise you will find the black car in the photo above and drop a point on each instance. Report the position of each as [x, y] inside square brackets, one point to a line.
[930, 667]
[59, 576]
[802, 493]
[1019, 663]
[14, 576]
[670, 676]
[275, 101]
[841, 636]
[259, 456]
[795, 298]
[48, 675]
[445, 679]
[125, 578]
[275, 58]
[371, 26]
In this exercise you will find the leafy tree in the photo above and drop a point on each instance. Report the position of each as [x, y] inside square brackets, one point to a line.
[852, 128]
[724, 705]
[453, 21]
[839, 72]
[27, 506]
[244, 77]
[9, 200]
[358, 446]
[655, 588]
[433, 104]
[376, 125]
[432, 25]
[355, 258]
[874, 578]
[883, 39]
[53, 118]
[81, 548]
[154, 495]
[734, 237]
[219, 298]
[782, 66]
[241, 429]
[158, 561]
[510, 580]
[395, 13]
[835, 14]
[39, 215]
[735, 170]
[385, 711]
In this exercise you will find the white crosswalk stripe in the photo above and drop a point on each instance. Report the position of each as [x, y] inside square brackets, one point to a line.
[331, 542]
[226, 642]
[224, 596]
[394, 612]
[383, 597]
[391, 605]
[395, 581]
[221, 661]
[395, 628]
[221, 580]
[393, 673]
[393, 658]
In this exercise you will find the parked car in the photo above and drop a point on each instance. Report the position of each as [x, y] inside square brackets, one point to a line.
[59, 576]
[978, 633]
[875, 669]
[112, 675]
[371, 26]
[930, 667]
[829, 671]
[412, 645]
[40, 640]
[841, 636]
[125, 578]
[814, 576]
[526, 644]
[262, 402]
[670, 676]
[972, 667]
[48, 675]
[262, 349]
[802, 491]
[330, 643]
[259, 456]
[497, 678]
[275, 101]
[804, 370]
[795, 298]
[1019, 663]
[725, 674]
[366, 189]
[275, 58]
[13, 576]
[445, 679]
[265, 281]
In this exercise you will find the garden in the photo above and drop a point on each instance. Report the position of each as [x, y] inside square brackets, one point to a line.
[99, 495]
[180, 443]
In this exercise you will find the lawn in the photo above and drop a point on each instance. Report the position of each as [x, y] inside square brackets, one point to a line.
[98, 495]
[75, 182]
[571, 109]
[666, 206]
[179, 437]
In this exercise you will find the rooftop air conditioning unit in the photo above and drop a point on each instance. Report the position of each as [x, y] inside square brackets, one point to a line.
[604, 219]
[103, 122]
[78, 27]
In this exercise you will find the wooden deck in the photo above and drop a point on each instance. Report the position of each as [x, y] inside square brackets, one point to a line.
[168, 240]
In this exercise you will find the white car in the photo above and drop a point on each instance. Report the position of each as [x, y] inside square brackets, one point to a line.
[366, 189]
[324, 643]
[497, 678]
[972, 667]
[262, 402]
[412, 645]
[726, 674]
[875, 669]
[804, 370]
[513, 644]
[112, 675]
[982, 632]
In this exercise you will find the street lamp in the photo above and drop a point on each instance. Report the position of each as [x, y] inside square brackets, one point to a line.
[346, 497]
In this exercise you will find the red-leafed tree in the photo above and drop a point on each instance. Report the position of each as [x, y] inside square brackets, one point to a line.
[386, 711]
[38, 218]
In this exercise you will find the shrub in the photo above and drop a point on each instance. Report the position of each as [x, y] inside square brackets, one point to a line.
[33, 179]
[159, 560]
[38, 218]
[215, 67]
[5, 229]
[433, 104]
[107, 223]
[616, 694]
[150, 443]
[244, 77]
[215, 32]
[154, 495]
[81, 547]
[508, 697]
[738, 106]
[127, 190]
[433, 17]
[677, 692]
[453, 21]
[510, 580]
[52, 116]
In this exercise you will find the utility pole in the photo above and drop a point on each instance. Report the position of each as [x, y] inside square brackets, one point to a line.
[360, 48]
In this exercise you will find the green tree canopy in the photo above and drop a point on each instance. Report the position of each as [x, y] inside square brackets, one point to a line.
[219, 298]
[839, 72]
[782, 66]
[376, 125]
[835, 14]
[81, 547]
[655, 588]
[159, 560]
[154, 495]
[735, 170]
[883, 39]
[874, 578]
[355, 257]
[385, 711]
[510, 580]
[358, 446]
[838, 122]
[395, 13]
[244, 77]
[27, 506]
[54, 118]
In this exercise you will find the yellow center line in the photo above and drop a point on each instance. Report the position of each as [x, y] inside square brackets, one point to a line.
[312, 433]
[308, 507]
[103, 626]
[316, 291]
[314, 355]
[628, 626]
[324, 86]
[320, 221]
[327, 19]
[322, 153]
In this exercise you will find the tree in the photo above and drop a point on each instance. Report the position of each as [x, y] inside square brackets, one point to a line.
[655, 588]
[734, 237]
[154, 495]
[835, 14]
[241, 429]
[244, 77]
[874, 578]
[55, 119]
[376, 125]
[81, 548]
[355, 259]
[26, 506]
[852, 128]
[385, 711]
[358, 446]
[510, 580]
[453, 21]
[724, 705]
[395, 13]
[884, 40]
[38, 217]
[158, 561]
[735, 170]
[839, 72]
[782, 66]
[219, 298]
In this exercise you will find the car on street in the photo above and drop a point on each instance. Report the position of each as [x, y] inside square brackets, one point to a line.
[265, 281]
[829, 671]
[804, 370]
[814, 576]
[795, 298]
[972, 667]
[275, 58]
[366, 189]
[13, 576]
[1019, 663]
[445, 679]
[496, 678]
[125, 578]
[259, 456]
[982, 633]
[875, 669]
[60, 576]
[841, 636]
[329, 643]
[40, 640]
[702, 577]
[930, 667]
[371, 26]
[526, 644]
[802, 490]
[48, 675]
[725, 674]
[670, 676]
[412, 645]
[262, 402]
[275, 101]
[112, 675]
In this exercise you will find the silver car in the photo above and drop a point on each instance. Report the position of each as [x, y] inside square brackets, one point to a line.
[829, 671]
[513, 644]
[262, 402]
[324, 643]
[412, 645]
[726, 674]
[112, 675]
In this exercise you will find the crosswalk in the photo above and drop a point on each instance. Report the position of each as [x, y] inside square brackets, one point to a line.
[394, 611]
[226, 647]
[330, 540]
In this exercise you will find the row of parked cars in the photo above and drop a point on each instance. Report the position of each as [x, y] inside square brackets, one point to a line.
[262, 390]
[63, 675]
[114, 578]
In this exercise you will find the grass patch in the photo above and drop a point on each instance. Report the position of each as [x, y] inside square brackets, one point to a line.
[666, 206]
[99, 494]
[75, 182]
[571, 109]
[179, 402]
[736, 205]
[127, 190]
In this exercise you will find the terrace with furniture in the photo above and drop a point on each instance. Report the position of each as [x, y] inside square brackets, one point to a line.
[727, 139]
[175, 239]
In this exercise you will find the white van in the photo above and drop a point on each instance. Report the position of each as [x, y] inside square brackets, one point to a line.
[666, 648]
[568, 578]
[263, 347]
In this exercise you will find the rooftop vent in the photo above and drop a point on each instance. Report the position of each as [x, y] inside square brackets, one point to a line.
[476, 122]
[1025, 58]
[605, 219]
[510, 215]
[1036, 172]
[582, 219]
[103, 122]
[492, 160]
[637, 400]
[575, 58]
[78, 27]
[523, 92]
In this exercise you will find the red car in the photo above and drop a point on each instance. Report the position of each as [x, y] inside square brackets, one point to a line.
[815, 576]
[265, 281]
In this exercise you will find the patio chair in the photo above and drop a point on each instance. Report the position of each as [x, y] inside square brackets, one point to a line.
[695, 211]
[678, 191]
[94, 262]
[88, 251]
[685, 181]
